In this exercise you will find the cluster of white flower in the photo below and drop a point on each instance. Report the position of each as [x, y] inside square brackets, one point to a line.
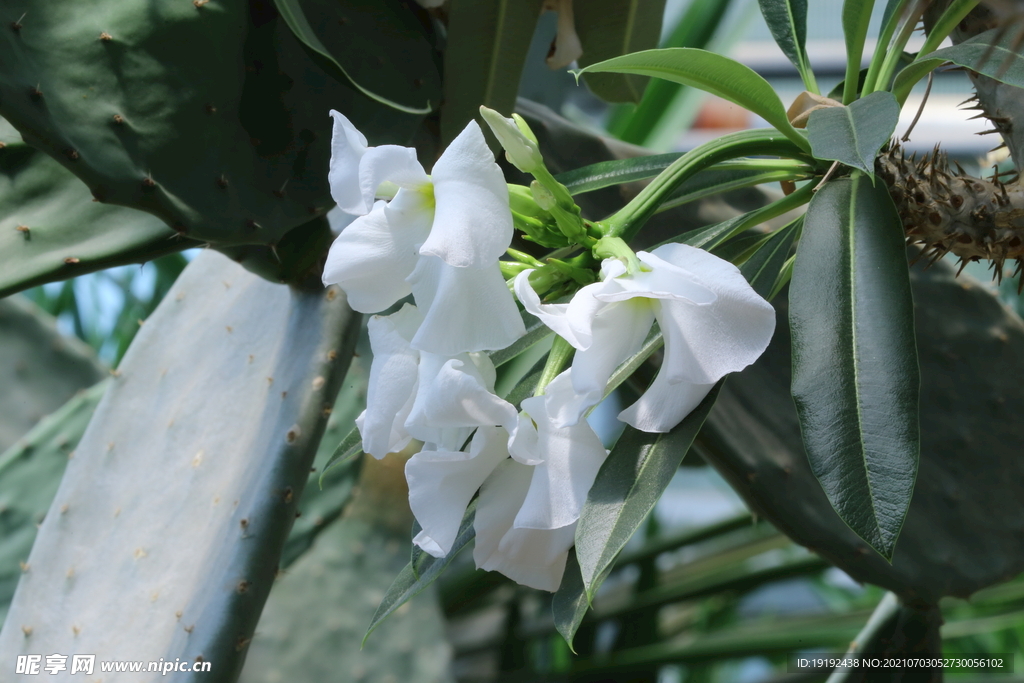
[440, 238]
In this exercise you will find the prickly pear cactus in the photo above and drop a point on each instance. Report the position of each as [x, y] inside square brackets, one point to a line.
[965, 526]
[164, 537]
[51, 229]
[209, 114]
[40, 369]
[30, 472]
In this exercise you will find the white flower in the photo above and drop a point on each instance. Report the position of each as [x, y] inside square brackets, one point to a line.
[529, 504]
[712, 321]
[440, 238]
[416, 394]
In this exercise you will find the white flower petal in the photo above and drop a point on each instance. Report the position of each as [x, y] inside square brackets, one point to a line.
[552, 315]
[442, 483]
[572, 457]
[472, 220]
[522, 445]
[466, 309]
[532, 557]
[348, 146]
[618, 331]
[453, 393]
[704, 343]
[392, 163]
[664, 405]
[370, 262]
[392, 385]
[665, 280]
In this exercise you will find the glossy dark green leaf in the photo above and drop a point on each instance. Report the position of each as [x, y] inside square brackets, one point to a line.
[764, 267]
[610, 28]
[360, 38]
[853, 134]
[711, 72]
[787, 20]
[628, 485]
[855, 370]
[409, 583]
[483, 61]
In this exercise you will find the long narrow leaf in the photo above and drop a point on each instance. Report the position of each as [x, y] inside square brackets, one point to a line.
[410, 583]
[856, 17]
[855, 371]
[764, 267]
[787, 20]
[708, 71]
[628, 485]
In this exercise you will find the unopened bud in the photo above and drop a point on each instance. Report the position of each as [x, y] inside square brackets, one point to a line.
[542, 196]
[520, 149]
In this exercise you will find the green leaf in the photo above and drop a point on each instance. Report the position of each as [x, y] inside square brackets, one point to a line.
[856, 17]
[610, 28]
[483, 61]
[787, 20]
[999, 60]
[695, 28]
[855, 371]
[722, 177]
[365, 35]
[350, 448]
[569, 604]
[908, 77]
[854, 134]
[708, 71]
[764, 267]
[628, 485]
[409, 583]
[607, 173]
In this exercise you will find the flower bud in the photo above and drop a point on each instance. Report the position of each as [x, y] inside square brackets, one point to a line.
[520, 149]
[542, 196]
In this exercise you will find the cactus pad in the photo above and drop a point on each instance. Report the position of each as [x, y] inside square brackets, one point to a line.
[164, 536]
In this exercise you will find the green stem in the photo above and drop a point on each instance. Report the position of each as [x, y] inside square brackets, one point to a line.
[881, 49]
[803, 172]
[892, 57]
[953, 15]
[794, 200]
[560, 355]
[807, 74]
[628, 220]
